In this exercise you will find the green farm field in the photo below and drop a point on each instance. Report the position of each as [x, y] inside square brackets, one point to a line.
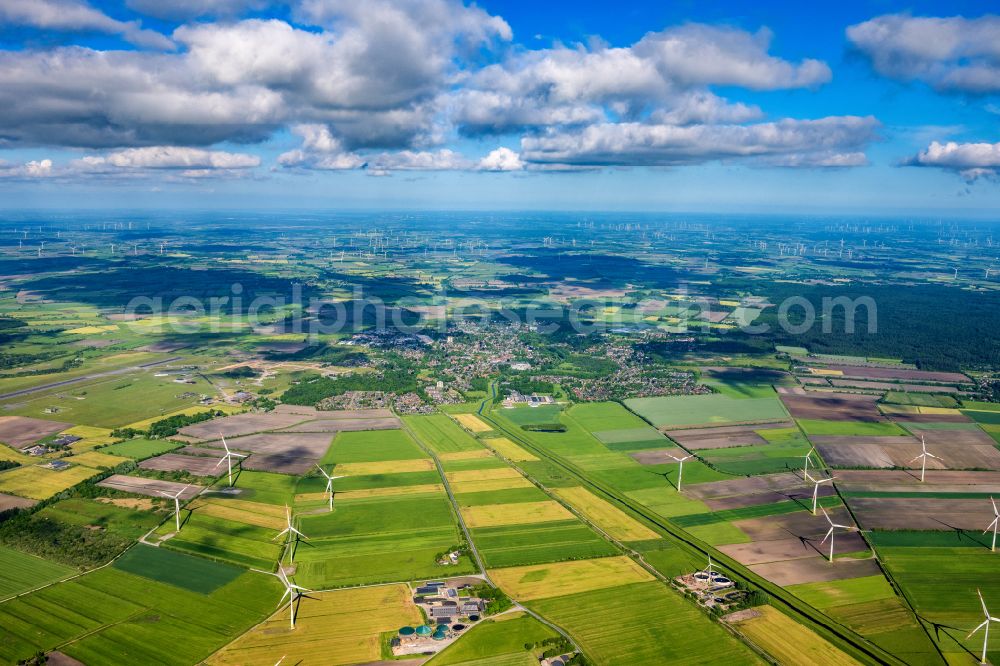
[634, 625]
[690, 410]
[112, 617]
[441, 434]
[517, 545]
[941, 584]
[372, 446]
[185, 571]
[21, 571]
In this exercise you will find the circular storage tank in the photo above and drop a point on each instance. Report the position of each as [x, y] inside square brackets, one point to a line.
[407, 631]
[424, 630]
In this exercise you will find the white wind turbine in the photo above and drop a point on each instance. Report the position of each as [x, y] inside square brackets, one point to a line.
[829, 534]
[292, 591]
[924, 455]
[816, 483]
[290, 531]
[680, 468]
[993, 526]
[228, 458]
[177, 504]
[806, 458]
[985, 625]
[329, 484]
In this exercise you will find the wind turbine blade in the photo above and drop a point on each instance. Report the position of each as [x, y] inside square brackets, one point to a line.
[985, 622]
[828, 534]
[280, 534]
[986, 611]
[990, 526]
[221, 460]
[917, 458]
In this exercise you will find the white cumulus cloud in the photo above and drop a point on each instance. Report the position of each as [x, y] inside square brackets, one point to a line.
[949, 53]
[501, 159]
[78, 16]
[970, 160]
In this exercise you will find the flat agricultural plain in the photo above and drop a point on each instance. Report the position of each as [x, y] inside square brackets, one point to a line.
[496, 515]
[20, 431]
[40, 483]
[344, 425]
[114, 616]
[789, 641]
[242, 424]
[175, 462]
[833, 407]
[922, 513]
[637, 625]
[472, 422]
[605, 515]
[510, 450]
[723, 437]
[285, 453]
[21, 571]
[336, 628]
[957, 449]
[8, 502]
[693, 410]
[540, 581]
[898, 374]
[149, 487]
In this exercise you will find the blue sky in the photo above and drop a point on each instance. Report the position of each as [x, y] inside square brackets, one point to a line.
[876, 108]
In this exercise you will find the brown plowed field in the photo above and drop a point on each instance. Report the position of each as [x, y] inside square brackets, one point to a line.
[779, 550]
[783, 481]
[20, 431]
[900, 373]
[286, 453]
[920, 513]
[833, 407]
[149, 487]
[815, 570]
[175, 462]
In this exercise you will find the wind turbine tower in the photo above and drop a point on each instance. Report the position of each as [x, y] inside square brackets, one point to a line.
[816, 484]
[680, 468]
[830, 532]
[228, 459]
[924, 455]
[805, 464]
[329, 484]
[993, 526]
[291, 531]
[177, 504]
[985, 625]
